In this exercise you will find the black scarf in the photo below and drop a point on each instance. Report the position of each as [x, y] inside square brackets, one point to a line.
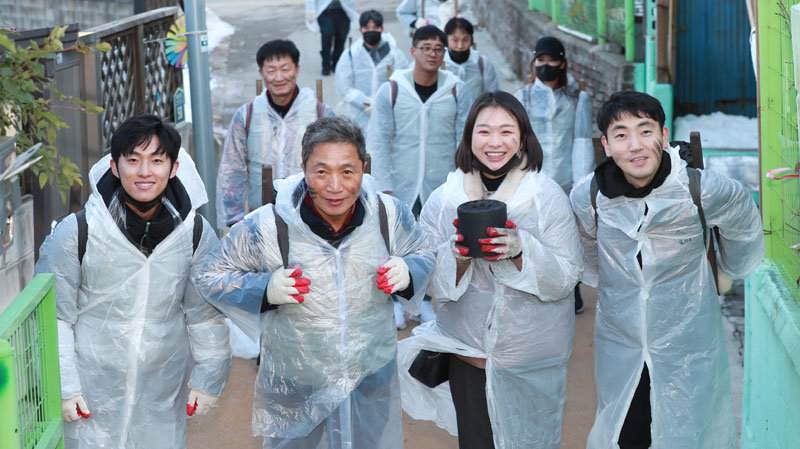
[612, 183]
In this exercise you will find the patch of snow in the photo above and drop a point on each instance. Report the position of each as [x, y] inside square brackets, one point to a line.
[718, 130]
[218, 29]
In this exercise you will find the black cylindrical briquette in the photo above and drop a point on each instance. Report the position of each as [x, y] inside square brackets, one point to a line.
[473, 219]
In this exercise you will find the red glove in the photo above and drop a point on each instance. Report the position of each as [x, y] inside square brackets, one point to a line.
[505, 242]
[460, 252]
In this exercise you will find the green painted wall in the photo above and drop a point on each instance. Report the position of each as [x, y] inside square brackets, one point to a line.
[771, 399]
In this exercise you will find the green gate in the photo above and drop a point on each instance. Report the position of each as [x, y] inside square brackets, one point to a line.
[30, 388]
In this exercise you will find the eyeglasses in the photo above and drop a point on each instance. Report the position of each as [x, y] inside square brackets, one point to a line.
[431, 50]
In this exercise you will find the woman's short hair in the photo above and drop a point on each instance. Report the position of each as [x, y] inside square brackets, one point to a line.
[506, 101]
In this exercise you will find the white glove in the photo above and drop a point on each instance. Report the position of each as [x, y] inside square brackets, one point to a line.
[368, 107]
[393, 276]
[73, 408]
[504, 242]
[287, 287]
[724, 284]
[460, 252]
[310, 17]
[421, 22]
[200, 403]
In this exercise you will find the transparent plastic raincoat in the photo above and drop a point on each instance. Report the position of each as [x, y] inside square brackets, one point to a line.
[272, 140]
[562, 121]
[480, 76]
[134, 333]
[413, 144]
[358, 77]
[522, 322]
[317, 7]
[438, 12]
[666, 314]
[327, 376]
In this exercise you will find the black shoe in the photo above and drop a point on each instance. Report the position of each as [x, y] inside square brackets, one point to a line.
[578, 300]
[326, 71]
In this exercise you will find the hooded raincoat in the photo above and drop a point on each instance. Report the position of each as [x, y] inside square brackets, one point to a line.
[413, 144]
[562, 121]
[358, 76]
[327, 376]
[134, 333]
[521, 321]
[272, 140]
[438, 12]
[477, 72]
[665, 312]
[317, 7]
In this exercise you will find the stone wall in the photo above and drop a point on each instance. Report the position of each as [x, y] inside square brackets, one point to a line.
[30, 14]
[515, 29]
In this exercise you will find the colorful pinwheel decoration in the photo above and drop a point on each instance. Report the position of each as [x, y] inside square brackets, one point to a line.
[176, 43]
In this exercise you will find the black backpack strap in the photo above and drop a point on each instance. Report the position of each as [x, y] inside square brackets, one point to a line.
[197, 231]
[83, 233]
[480, 65]
[593, 189]
[384, 222]
[247, 119]
[283, 238]
[694, 190]
[393, 84]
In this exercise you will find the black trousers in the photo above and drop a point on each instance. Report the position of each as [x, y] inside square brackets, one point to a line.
[635, 432]
[468, 389]
[334, 26]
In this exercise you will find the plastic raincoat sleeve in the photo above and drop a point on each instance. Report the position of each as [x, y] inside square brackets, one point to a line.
[410, 241]
[59, 255]
[582, 149]
[345, 82]
[443, 285]
[208, 333]
[407, 12]
[380, 132]
[551, 263]
[232, 173]
[584, 215]
[234, 273]
[464, 101]
[728, 205]
[490, 80]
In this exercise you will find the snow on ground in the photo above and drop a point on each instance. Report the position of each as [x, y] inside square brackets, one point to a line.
[719, 130]
[218, 30]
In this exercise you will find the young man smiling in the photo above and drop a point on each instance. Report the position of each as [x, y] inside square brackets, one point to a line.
[311, 277]
[266, 131]
[130, 323]
[661, 369]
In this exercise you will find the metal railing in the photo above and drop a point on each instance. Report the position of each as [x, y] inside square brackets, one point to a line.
[603, 20]
[30, 388]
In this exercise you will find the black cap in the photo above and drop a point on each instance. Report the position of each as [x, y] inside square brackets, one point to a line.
[549, 45]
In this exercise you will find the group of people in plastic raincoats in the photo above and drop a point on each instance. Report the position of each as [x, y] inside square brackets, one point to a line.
[143, 283]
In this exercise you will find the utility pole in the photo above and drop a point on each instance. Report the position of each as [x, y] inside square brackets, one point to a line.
[202, 127]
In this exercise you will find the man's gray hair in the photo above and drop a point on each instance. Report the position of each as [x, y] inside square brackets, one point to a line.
[333, 129]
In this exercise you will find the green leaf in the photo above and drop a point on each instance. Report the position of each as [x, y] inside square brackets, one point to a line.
[42, 179]
[103, 46]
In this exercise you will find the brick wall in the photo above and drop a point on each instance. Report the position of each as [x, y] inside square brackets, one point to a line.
[515, 29]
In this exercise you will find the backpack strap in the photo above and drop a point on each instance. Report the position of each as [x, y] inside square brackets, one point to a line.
[283, 238]
[694, 190]
[197, 231]
[320, 109]
[247, 119]
[384, 222]
[593, 189]
[393, 84]
[480, 65]
[83, 233]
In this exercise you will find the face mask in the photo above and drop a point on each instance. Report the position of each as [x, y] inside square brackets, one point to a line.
[372, 37]
[513, 162]
[548, 72]
[459, 57]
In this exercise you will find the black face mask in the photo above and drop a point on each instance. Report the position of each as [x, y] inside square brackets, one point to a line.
[459, 57]
[513, 162]
[372, 37]
[548, 72]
